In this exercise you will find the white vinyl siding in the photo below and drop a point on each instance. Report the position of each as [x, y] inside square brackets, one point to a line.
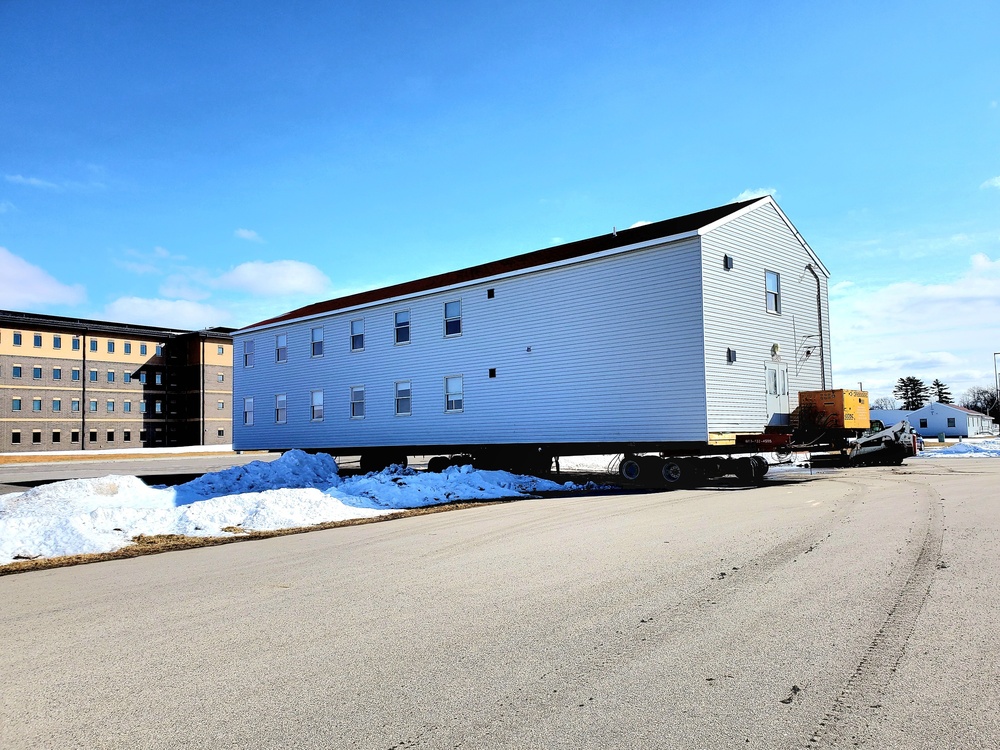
[737, 318]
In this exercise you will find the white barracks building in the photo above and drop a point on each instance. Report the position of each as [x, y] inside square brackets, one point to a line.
[665, 337]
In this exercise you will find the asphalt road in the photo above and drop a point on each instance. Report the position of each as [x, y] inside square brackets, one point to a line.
[854, 610]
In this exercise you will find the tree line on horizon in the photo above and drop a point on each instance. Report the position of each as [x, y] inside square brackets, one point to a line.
[911, 393]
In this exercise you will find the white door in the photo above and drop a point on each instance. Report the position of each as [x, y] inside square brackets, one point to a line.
[776, 387]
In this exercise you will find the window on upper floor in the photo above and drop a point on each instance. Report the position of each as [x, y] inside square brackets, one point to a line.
[772, 291]
[142, 350]
[37, 340]
[15, 404]
[142, 377]
[111, 376]
[17, 338]
[159, 350]
[281, 347]
[15, 371]
[75, 373]
[110, 406]
[36, 404]
[316, 341]
[358, 335]
[402, 332]
[36, 373]
[220, 350]
[248, 353]
[57, 342]
[126, 377]
[221, 377]
[74, 405]
[111, 347]
[93, 376]
[57, 404]
[76, 343]
[93, 405]
[159, 378]
[57, 373]
[453, 318]
[357, 402]
[93, 345]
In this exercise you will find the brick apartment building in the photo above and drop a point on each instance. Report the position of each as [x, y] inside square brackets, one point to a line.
[75, 384]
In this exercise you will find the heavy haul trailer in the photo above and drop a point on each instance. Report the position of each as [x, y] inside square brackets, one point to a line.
[665, 339]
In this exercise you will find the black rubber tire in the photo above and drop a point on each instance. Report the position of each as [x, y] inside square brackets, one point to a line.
[630, 470]
[675, 473]
[438, 464]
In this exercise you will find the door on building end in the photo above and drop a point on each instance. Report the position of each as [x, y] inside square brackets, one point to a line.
[776, 387]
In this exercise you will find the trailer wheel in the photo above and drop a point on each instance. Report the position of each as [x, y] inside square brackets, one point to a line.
[743, 468]
[676, 472]
[438, 464]
[629, 470]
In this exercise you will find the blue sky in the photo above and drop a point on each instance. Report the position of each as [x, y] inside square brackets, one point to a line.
[198, 164]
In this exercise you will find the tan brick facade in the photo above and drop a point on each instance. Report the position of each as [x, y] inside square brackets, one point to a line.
[68, 384]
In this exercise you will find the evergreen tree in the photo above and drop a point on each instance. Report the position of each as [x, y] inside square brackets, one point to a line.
[912, 392]
[941, 393]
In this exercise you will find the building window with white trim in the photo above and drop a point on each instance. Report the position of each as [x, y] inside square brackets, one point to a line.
[38, 340]
[74, 405]
[248, 411]
[357, 402]
[57, 404]
[57, 373]
[128, 347]
[127, 406]
[15, 404]
[111, 406]
[93, 345]
[281, 347]
[36, 404]
[93, 405]
[316, 402]
[280, 410]
[358, 335]
[36, 373]
[248, 353]
[317, 342]
[142, 350]
[453, 318]
[17, 338]
[402, 333]
[221, 405]
[111, 347]
[454, 400]
[772, 291]
[404, 400]
[57, 342]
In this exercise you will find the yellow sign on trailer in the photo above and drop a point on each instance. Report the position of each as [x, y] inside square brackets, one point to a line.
[839, 408]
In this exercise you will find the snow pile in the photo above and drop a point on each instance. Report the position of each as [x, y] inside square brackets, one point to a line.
[980, 449]
[298, 489]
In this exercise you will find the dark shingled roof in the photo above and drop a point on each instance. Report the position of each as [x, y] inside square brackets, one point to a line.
[580, 248]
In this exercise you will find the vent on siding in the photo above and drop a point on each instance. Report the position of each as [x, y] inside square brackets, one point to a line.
[493, 372]
[490, 294]
[727, 262]
[730, 355]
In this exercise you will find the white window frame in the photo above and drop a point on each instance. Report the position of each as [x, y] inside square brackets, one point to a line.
[248, 353]
[316, 406]
[280, 408]
[358, 339]
[357, 402]
[453, 318]
[281, 348]
[408, 398]
[36, 404]
[399, 327]
[772, 295]
[453, 405]
[248, 411]
[316, 337]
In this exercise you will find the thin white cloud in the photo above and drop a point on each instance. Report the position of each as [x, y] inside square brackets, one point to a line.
[276, 278]
[755, 193]
[23, 284]
[185, 287]
[993, 182]
[184, 314]
[248, 234]
[18, 179]
[6, 206]
[930, 330]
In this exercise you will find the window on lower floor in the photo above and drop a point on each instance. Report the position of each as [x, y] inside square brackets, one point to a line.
[951, 421]
[15, 437]
[56, 436]
[74, 405]
[93, 436]
[923, 423]
[36, 437]
[357, 402]
[15, 371]
[15, 404]
[36, 404]
[110, 406]
[221, 432]
[158, 407]
[454, 398]
[111, 436]
[221, 405]
[126, 406]
[57, 404]
[248, 411]
[57, 373]
[36, 373]
[127, 436]
[316, 400]
[403, 398]
[74, 436]
[280, 409]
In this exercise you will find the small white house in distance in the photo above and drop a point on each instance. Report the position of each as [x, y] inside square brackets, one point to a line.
[666, 336]
[943, 419]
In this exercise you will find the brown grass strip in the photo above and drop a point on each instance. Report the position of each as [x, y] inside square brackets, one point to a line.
[156, 544]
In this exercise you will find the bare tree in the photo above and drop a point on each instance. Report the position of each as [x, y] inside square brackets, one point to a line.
[982, 399]
[884, 402]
